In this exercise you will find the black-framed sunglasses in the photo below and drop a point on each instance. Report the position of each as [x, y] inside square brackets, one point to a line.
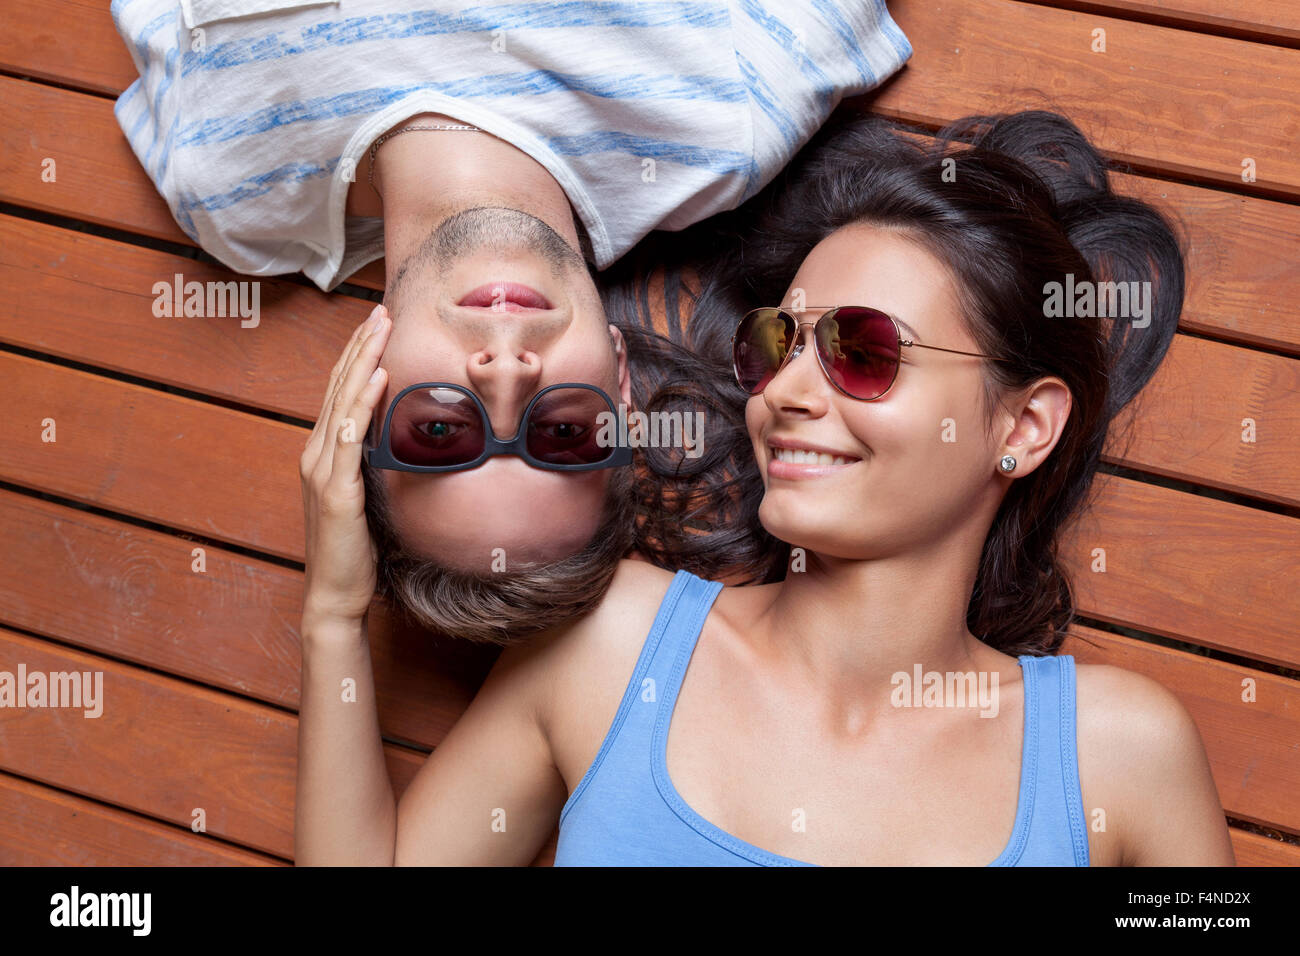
[440, 427]
[859, 348]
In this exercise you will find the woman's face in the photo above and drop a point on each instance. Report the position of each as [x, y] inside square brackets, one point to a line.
[917, 461]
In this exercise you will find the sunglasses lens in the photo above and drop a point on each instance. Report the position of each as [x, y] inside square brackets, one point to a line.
[435, 427]
[859, 350]
[762, 342]
[565, 427]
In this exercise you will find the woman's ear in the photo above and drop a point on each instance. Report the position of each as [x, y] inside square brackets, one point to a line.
[1044, 410]
[620, 354]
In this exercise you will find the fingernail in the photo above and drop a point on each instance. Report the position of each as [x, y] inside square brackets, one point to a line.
[376, 375]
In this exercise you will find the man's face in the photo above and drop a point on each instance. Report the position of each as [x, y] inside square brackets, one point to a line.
[496, 301]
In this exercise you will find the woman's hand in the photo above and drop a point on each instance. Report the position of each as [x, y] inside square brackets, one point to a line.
[340, 578]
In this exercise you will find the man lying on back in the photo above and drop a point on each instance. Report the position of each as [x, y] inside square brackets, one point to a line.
[493, 155]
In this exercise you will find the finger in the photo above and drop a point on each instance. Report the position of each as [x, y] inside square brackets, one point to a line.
[353, 380]
[346, 464]
[359, 335]
[340, 371]
[333, 398]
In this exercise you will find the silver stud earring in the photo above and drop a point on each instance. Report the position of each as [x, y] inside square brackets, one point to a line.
[1007, 464]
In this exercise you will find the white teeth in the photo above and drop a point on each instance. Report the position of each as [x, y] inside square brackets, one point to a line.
[799, 456]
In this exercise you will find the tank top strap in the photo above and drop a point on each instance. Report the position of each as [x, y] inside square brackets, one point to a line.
[683, 625]
[1050, 794]
[676, 626]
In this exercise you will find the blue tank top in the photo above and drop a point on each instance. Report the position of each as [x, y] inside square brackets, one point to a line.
[626, 812]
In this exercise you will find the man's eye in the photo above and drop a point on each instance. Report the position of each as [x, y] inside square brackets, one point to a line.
[562, 431]
[437, 430]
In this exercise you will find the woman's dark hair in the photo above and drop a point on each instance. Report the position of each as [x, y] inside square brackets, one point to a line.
[677, 313]
[1010, 204]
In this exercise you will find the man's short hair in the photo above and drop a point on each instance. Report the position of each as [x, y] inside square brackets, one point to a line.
[500, 608]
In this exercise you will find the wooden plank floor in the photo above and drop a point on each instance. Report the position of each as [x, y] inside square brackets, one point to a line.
[159, 539]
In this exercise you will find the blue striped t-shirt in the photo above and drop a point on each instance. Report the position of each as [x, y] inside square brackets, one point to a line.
[253, 116]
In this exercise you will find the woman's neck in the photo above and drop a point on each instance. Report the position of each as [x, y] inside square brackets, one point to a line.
[845, 628]
[423, 177]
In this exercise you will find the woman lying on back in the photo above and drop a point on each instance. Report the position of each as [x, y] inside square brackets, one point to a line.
[923, 425]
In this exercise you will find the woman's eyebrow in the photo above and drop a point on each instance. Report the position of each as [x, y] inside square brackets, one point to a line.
[908, 329]
[911, 332]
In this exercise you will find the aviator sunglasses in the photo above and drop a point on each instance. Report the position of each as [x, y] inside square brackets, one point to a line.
[858, 348]
[441, 427]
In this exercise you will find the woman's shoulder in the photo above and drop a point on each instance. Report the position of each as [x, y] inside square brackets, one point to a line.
[1138, 749]
[633, 578]
[1127, 705]
[1130, 724]
[590, 653]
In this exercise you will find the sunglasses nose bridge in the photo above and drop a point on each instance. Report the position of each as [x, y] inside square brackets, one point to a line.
[516, 428]
[797, 348]
[797, 395]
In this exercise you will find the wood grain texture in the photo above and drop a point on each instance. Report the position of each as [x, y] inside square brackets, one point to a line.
[73, 42]
[1251, 849]
[163, 747]
[1190, 421]
[1253, 745]
[1242, 276]
[41, 826]
[1268, 21]
[1170, 101]
[97, 177]
[91, 300]
[1187, 567]
[194, 466]
[133, 594]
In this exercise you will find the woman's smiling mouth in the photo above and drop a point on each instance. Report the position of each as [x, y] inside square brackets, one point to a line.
[792, 459]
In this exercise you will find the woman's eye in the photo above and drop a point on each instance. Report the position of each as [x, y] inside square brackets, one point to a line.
[868, 354]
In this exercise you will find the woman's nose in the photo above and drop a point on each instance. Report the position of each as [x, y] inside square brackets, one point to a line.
[798, 387]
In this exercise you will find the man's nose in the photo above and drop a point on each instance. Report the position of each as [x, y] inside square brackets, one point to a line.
[505, 376]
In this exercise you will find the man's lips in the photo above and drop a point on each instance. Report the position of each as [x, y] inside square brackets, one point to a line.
[504, 297]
